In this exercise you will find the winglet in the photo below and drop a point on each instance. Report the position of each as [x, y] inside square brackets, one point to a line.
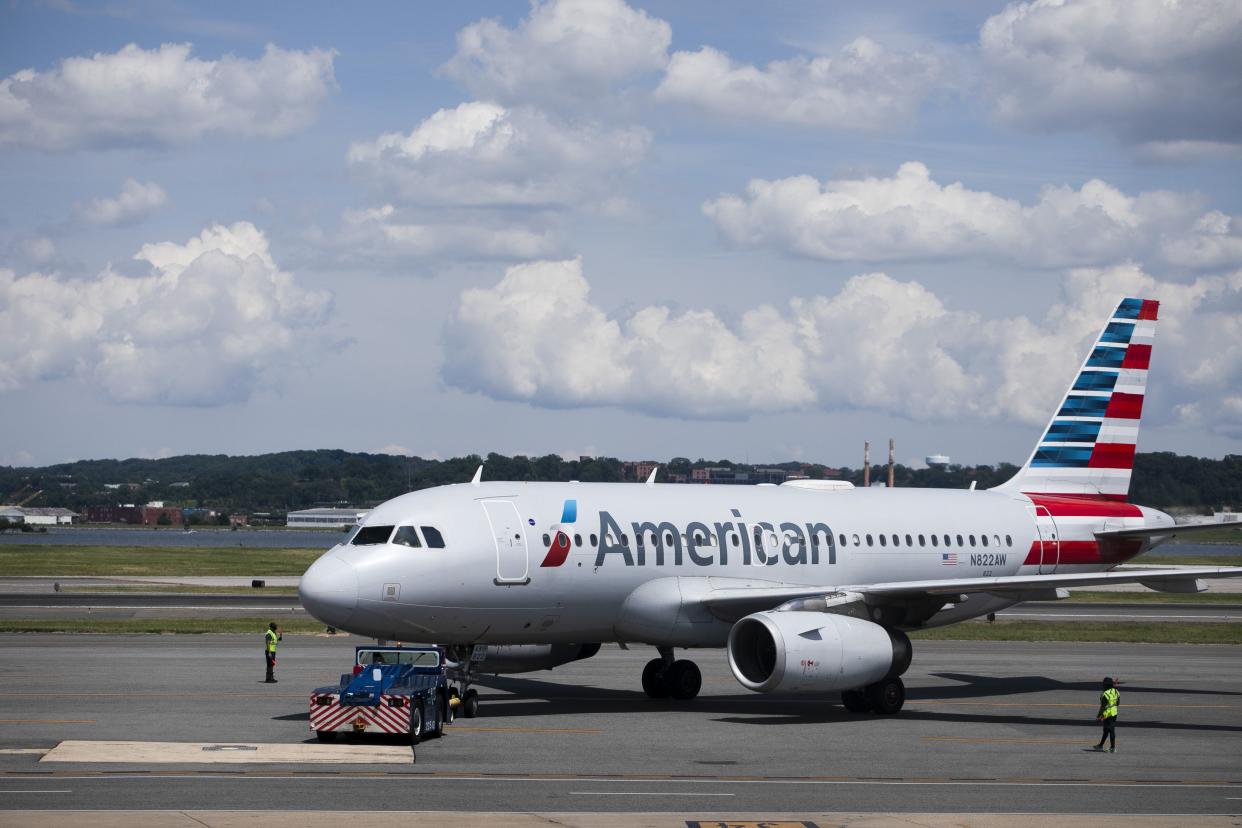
[651, 477]
[478, 475]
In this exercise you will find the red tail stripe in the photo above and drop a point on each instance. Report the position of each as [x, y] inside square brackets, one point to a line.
[1125, 406]
[1149, 309]
[558, 551]
[1076, 507]
[1137, 356]
[1081, 552]
[1112, 456]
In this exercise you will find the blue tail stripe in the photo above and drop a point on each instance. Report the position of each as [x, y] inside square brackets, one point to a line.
[1072, 431]
[1107, 358]
[1095, 381]
[1079, 406]
[1063, 456]
[1129, 309]
[1118, 332]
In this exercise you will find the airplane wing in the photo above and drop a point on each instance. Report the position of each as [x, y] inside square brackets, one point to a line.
[736, 601]
[1169, 531]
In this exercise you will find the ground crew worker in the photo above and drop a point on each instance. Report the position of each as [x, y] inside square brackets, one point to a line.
[1110, 701]
[271, 638]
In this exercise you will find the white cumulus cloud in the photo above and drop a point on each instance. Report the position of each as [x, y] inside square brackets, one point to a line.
[136, 201]
[537, 337]
[1155, 72]
[483, 154]
[910, 216]
[162, 96]
[212, 321]
[865, 86]
[565, 50]
[387, 231]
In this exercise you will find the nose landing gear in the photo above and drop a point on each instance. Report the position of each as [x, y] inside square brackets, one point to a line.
[666, 677]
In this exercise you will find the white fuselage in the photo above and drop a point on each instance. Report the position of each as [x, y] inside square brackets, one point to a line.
[496, 580]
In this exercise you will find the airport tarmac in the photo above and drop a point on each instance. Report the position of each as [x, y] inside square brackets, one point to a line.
[989, 728]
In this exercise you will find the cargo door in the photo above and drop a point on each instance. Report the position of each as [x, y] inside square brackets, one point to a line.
[509, 534]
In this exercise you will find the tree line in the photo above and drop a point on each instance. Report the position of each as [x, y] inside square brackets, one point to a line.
[291, 480]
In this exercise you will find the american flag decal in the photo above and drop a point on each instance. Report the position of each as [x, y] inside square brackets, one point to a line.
[948, 558]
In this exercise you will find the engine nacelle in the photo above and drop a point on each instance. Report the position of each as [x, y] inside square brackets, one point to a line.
[813, 652]
[521, 658]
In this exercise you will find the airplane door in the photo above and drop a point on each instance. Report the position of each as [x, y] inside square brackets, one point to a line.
[510, 537]
[1049, 541]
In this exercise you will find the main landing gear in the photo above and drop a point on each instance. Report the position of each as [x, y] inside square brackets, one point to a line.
[666, 677]
[885, 697]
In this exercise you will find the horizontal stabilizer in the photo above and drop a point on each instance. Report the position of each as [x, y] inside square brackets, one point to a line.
[1168, 531]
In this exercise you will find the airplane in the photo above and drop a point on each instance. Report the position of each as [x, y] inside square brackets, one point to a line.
[810, 586]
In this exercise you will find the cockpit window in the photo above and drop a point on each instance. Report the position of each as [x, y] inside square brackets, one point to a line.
[407, 536]
[372, 535]
[434, 539]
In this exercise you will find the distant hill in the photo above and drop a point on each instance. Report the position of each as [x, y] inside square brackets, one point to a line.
[301, 479]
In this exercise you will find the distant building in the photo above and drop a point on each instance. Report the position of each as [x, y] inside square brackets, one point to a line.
[719, 475]
[148, 515]
[48, 516]
[935, 460]
[638, 469]
[324, 518]
[12, 514]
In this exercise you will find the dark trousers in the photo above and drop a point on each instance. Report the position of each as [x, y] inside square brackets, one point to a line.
[270, 660]
[1110, 732]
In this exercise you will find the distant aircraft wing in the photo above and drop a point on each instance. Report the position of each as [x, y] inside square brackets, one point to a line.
[1167, 531]
[730, 602]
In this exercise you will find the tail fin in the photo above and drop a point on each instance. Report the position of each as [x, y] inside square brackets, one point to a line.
[1088, 447]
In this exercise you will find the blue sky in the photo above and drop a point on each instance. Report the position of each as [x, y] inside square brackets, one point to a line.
[589, 227]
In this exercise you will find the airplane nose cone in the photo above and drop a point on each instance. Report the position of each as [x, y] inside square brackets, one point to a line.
[329, 590]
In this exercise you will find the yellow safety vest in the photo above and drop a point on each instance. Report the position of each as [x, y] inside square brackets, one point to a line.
[1109, 700]
[271, 641]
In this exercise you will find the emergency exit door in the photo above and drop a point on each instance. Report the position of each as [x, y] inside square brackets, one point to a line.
[510, 537]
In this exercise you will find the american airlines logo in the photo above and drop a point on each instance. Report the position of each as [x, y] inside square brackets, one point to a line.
[664, 543]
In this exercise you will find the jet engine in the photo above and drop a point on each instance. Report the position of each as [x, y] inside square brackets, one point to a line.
[520, 658]
[813, 652]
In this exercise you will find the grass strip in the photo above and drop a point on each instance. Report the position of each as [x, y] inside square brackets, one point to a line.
[31, 559]
[122, 626]
[1226, 536]
[1089, 597]
[195, 590]
[1127, 632]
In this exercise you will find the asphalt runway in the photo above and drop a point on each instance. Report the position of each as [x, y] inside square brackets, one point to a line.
[993, 728]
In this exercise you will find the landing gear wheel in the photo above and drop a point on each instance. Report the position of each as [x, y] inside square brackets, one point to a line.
[653, 679]
[416, 724]
[450, 709]
[325, 735]
[470, 704]
[886, 697]
[683, 680]
[855, 701]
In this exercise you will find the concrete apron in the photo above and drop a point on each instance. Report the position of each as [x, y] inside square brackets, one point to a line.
[227, 753]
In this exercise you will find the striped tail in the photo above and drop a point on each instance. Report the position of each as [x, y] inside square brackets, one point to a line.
[1088, 447]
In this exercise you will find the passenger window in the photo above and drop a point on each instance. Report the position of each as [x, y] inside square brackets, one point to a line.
[434, 539]
[668, 538]
[996, 540]
[923, 541]
[984, 539]
[856, 541]
[625, 540]
[934, 541]
[547, 541]
[407, 536]
[372, 535]
[896, 540]
[959, 541]
[1008, 540]
[841, 537]
[593, 539]
[947, 541]
[733, 538]
[868, 540]
[909, 541]
[577, 540]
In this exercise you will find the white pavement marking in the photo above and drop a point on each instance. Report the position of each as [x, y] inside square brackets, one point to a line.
[1115, 615]
[645, 793]
[233, 753]
[40, 792]
[18, 751]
